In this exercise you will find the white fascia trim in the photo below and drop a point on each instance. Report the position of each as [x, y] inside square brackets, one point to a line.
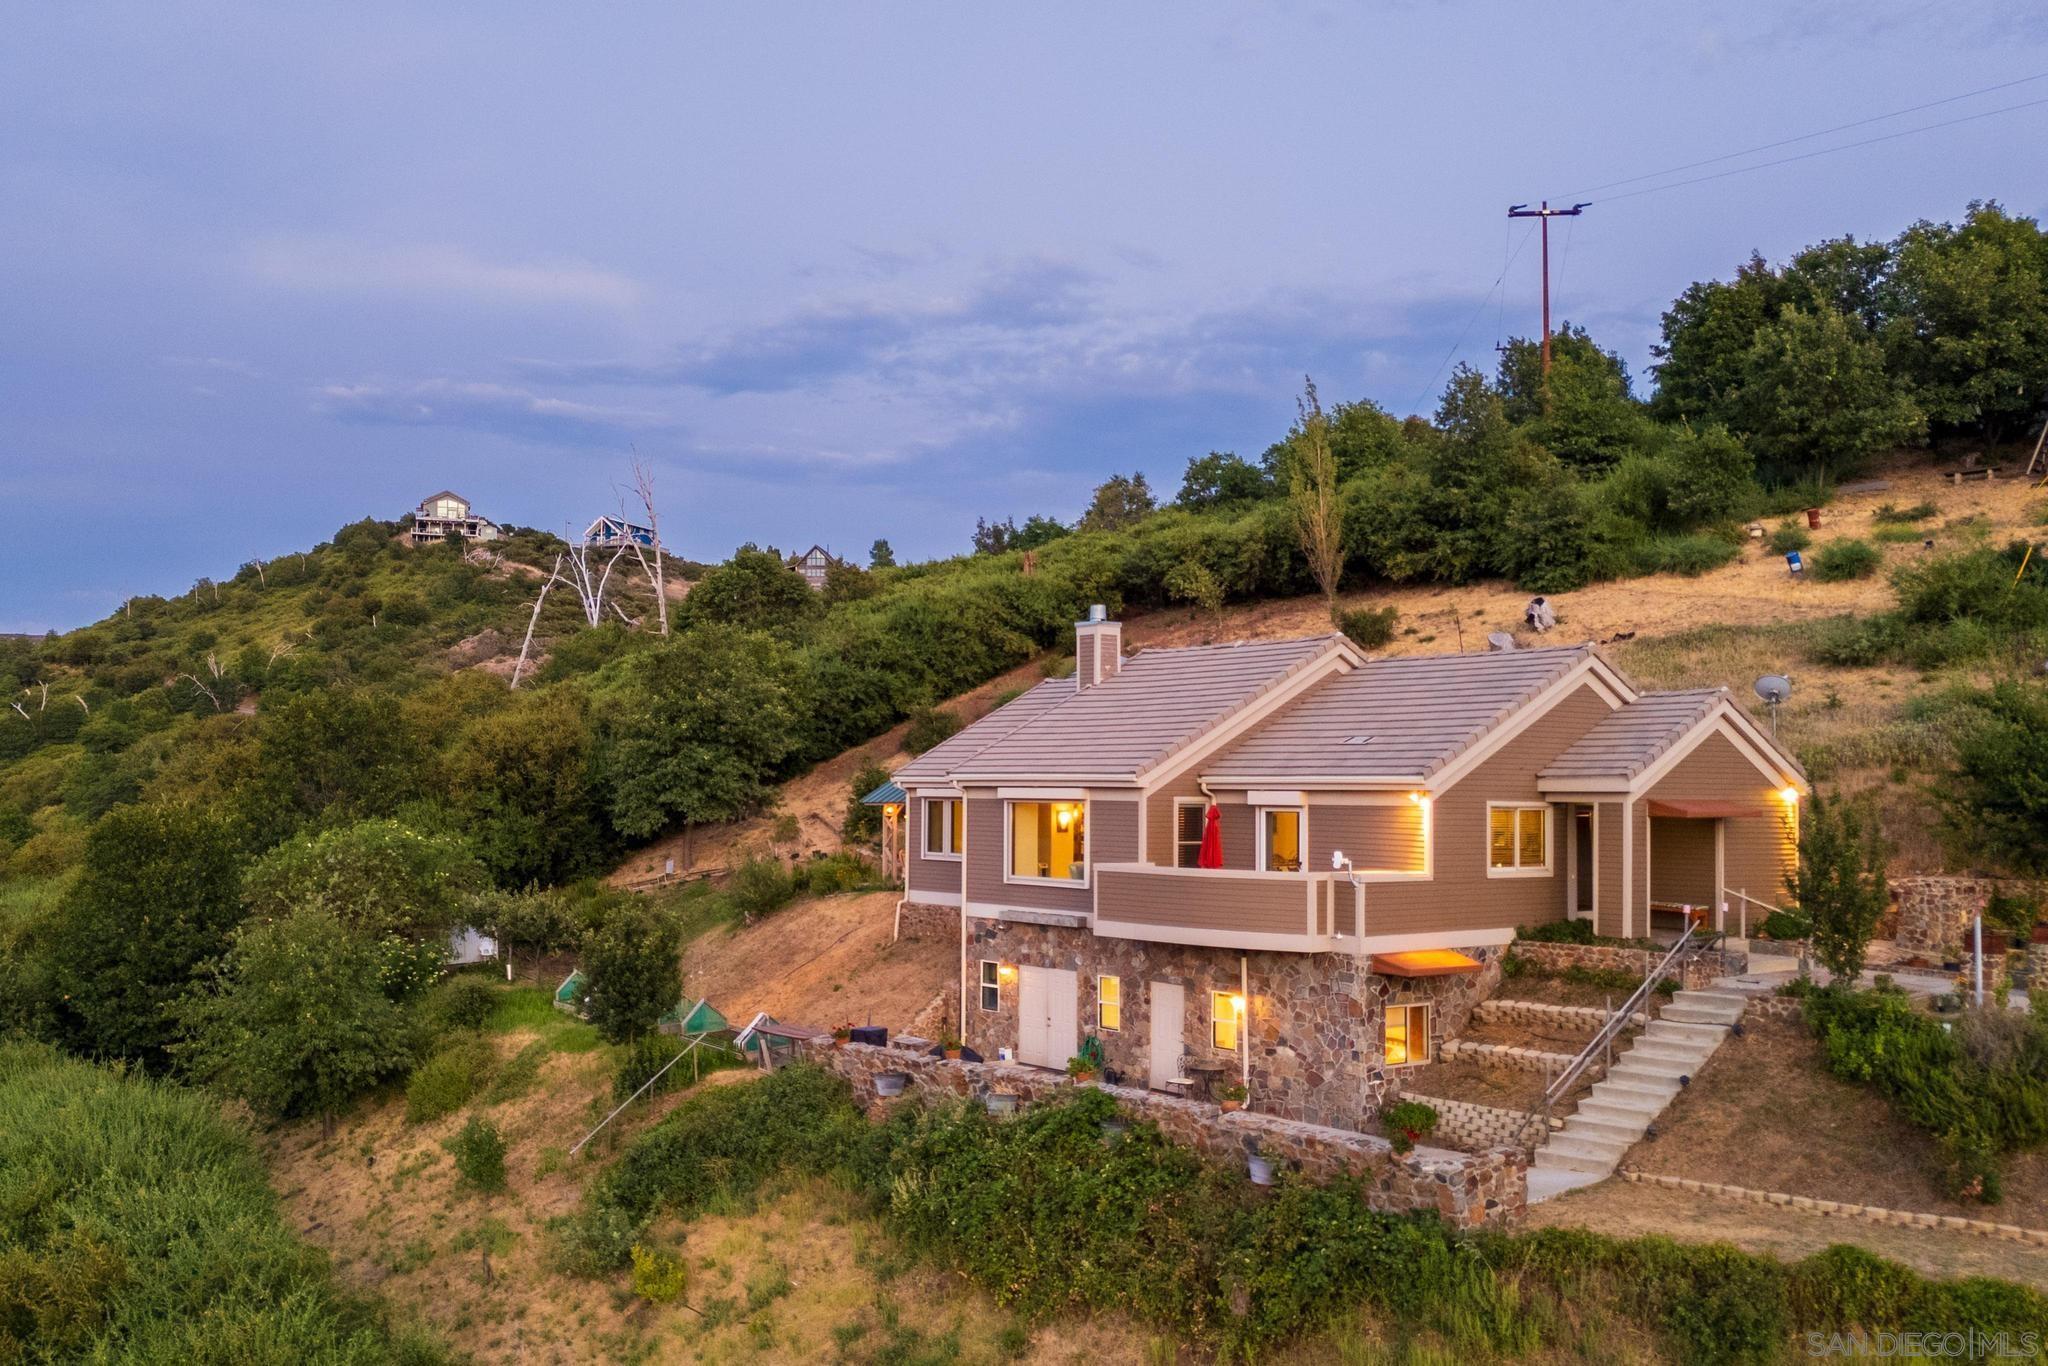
[1363, 798]
[1446, 939]
[1042, 794]
[1273, 796]
[1340, 658]
[1715, 722]
[1606, 684]
[1220, 939]
[995, 910]
[936, 792]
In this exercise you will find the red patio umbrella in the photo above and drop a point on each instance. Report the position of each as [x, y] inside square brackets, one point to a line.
[1211, 855]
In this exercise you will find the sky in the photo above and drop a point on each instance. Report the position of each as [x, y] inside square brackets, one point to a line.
[839, 272]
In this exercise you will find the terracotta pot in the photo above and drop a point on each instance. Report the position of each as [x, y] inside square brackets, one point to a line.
[952, 1055]
[1232, 1105]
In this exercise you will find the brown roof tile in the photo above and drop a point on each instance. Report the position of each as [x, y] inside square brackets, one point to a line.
[1635, 736]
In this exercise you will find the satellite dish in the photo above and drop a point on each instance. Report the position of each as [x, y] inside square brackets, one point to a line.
[1773, 688]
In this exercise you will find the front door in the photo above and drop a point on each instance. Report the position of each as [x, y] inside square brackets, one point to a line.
[1048, 1015]
[1169, 1016]
[1582, 864]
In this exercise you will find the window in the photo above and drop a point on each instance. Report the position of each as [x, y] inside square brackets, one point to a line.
[945, 822]
[1048, 840]
[1517, 839]
[1280, 843]
[991, 985]
[1109, 1004]
[1226, 1019]
[1407, 1035]
[1188, 816]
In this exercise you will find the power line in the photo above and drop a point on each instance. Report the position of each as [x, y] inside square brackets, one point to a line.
[1808, 137]
[1467, 329]
[1826, 151]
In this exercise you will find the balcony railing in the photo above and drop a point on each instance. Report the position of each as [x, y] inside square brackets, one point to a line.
[1228, 907]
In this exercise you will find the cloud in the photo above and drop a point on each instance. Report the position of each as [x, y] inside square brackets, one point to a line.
[219, 365]
[327, 266]
[516, 413]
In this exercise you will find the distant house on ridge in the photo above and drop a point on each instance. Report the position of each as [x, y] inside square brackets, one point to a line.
[813, 564]
[447, 513]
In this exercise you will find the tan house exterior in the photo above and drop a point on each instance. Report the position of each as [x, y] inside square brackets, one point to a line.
[1386, 824]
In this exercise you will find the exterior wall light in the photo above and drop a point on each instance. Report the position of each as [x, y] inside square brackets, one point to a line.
[1006, 972]
[1790, 796]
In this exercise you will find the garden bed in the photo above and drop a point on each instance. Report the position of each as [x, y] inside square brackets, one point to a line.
[1502, 1088]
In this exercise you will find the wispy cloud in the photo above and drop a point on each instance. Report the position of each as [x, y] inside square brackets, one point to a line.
[342, 267]
[217, 365]
[517, 413]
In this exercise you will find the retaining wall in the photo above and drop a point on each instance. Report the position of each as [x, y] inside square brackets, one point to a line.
[922, 921]
[1934, 913]
[1521, 1059]
[1466, 1190]
[1589, 1018]
[1480, 1127]
[1698, 971]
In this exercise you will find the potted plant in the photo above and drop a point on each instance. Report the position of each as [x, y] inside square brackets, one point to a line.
[840, 1034]
[1259, 1168]
[1081, 1068]
[1407, 1123]
[1233, 1096]
[950, 1046]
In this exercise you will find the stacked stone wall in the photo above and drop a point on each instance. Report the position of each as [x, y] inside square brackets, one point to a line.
[922, 921]
[1519, 1059]
[1466, 1190]
[1934, 913]
[1698, 971]
[1542, 1013]
[1480, 1128]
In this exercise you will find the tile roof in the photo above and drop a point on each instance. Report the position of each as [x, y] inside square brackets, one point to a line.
[1630, 740]
[1158, 702]
[936, 765]
[1394, 718]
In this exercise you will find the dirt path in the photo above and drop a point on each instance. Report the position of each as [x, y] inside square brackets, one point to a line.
[823, 963]
[1626, 1210]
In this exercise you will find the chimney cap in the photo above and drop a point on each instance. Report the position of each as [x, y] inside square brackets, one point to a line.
[1098, 612]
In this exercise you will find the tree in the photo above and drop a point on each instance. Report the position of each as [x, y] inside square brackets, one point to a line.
[1839, 883]
[848, 583]
[1191, 582]
[338, 752]
[1584, 414]
[1997, 796]
[1815, 398]
[159, 894]
[1037, 530]
[993, 538]
[1312, 496]
[295, 1020]
[631, 970]
[863, 824]
[1711, 475]
[522, 779]
[754, 589]
[375, 878]
[1220, 479]
[880, 556]
[699, 728]
[1708, 332]
[1119, 501]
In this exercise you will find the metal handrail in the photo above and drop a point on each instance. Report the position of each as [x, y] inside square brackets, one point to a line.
[1616, 1022]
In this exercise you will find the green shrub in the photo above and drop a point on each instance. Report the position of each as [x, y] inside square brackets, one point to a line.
[463, 1002]
[761, 886]
[479, 1152]
[928, 726]
[1407, 1123]
[1785, 925]
[658, 1277]
[1788, 537]
[1557, 932]
[1840, 561]
[1688, 555]
[645, 1057]
[517, 1076]
[1919, 512]
[445, 1082]
[844, 871]
[1370, 627]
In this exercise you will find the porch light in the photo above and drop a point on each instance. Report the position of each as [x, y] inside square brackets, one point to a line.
[1419, 798]
[1006, 972]
[1237, 1005]
[1790, 796]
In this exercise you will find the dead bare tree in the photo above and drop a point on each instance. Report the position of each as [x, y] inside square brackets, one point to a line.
[79, 698]
[591, 583]
[211, 696]
[554, 577]
[24, 712]
[280, 650]
[643, 485]
[260, 578]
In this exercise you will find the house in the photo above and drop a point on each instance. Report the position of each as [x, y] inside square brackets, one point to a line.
[612, 531]
[813, 564]
[446, 514]
[1382, 826]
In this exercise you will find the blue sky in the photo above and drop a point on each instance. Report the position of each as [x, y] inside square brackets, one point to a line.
[839, 271]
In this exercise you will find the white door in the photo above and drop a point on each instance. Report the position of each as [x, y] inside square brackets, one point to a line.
[1048, 1016]
[1169, 1018]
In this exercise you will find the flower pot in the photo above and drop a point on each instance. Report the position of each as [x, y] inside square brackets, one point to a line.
[891, 1083]
[999, 1104]
[952, 1055]
[1231, 1105]
[1260, 1170]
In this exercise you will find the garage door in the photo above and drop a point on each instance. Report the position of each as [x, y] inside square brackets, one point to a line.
[1048, 1016]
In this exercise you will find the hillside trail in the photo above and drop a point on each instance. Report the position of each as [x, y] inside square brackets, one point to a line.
[1755, 589]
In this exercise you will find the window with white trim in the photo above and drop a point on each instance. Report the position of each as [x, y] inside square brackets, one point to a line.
[945, 821]
[1517, 839]
[1189, 815]
[1049, 841]
[1407, 1036]
[1226, 1019]
[991, 985]
[1283, 832]
[1109, 1004]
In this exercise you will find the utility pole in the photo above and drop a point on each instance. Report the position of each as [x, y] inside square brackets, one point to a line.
[1545, 213]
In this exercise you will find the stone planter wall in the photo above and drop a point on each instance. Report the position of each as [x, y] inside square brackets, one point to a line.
[1543, 1013]
[1699, 970]
[921, 921]
[1478, 1128]
[1934, 913]
[1520, 1059]
[1775, 1008]
[1466, 1190]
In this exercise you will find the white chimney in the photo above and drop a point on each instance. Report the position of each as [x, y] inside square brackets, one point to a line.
[1098, 648]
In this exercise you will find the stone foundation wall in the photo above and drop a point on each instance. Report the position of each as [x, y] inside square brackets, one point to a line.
[922, 921]
[1315, 1022]
[1934, 913]
[1479, 1128]
[1589, 1018]
[1466, 1190]
[1775, 1008]
[1698, 971]
[1520, 1059]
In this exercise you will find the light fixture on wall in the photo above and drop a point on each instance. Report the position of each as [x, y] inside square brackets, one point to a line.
[1790, 796]
[1237, 1006]
[1064, 817]
[1006, 972]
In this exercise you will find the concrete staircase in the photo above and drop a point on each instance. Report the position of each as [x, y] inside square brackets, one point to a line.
[1636, 1089]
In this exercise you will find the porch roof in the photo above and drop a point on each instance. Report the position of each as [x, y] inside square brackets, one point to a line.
[1423, 963]
[1705, 808]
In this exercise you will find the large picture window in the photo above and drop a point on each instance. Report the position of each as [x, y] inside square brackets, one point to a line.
[1049, 840]
[944, 824]
[1281, 829]
[1517, 839]
[1407, 1035]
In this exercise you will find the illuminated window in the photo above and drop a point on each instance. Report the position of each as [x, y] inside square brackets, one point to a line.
[1226, 1018]
[1109, 1004]
[1188, 817]
[1280, 839]
[1049, 840]
[991, 989]
[944, 825]
[1407, 1035]
[1518, 839]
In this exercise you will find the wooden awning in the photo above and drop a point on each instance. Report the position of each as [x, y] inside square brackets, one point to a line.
[1705, 808]
[1423, 963]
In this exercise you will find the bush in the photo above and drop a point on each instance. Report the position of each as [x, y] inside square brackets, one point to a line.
[644, 1058]
[1890, 513]
[845, 871]
[479, 1152]
[631, 969]
[1788, 537]
[658, 1277]
[929, 726]
[1558, 932]
[445, 1082]
[1844, 560]
[1785, 925]
[463, 1003]
[1687, 555]
[761, 886]
[1369, 628]
[1407, 1123]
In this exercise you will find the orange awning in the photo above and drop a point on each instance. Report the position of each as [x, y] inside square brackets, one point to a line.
[1423, 963]
[1705, 808]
